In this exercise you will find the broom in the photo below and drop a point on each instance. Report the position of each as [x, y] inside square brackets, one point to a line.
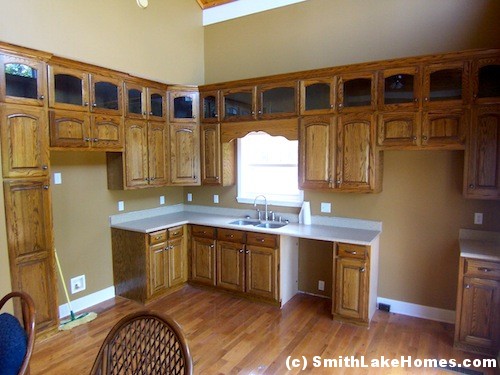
[75, 320]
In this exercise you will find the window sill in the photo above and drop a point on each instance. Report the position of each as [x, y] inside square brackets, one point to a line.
[270, 202]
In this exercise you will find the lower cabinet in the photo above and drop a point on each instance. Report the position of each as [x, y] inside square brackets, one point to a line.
[477, 326]
[146, 266]
[203, 254]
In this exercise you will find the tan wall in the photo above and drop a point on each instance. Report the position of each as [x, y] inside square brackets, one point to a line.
[421, 206]
[164, 43]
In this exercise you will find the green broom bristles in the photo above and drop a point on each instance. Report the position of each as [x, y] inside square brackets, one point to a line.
[76, 321]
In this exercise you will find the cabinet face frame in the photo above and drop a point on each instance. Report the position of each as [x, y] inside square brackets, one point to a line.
[262, 89]
[343, 78]
[79, 74]
[132, 86]
[417, 92]
[216, 95]
[432, 68]
[39, 66]
[174, 94]
[115, 81]
[19, 125]
[477, 64]
[304, 84]
[252, 90]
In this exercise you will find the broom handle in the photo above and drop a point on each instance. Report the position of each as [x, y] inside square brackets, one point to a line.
[63, 282]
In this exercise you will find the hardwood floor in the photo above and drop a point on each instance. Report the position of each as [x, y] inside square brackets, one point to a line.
[229, 335]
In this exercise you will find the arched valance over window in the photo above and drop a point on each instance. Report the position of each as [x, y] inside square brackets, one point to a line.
[288, 128]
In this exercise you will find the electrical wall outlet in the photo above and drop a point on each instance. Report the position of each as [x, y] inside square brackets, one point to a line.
[216, 198]
[162, 199]
[57, 178]
[190, 197]
[478, 218]
[121, 205]
[78, 284]
[321, 285]
[326, 207]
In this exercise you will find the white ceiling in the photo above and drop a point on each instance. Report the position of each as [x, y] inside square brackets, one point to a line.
[241, 8]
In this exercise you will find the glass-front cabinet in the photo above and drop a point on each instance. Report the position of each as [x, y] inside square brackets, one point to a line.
[145, 102]
[156, 103]
[277, 100]
[183, 106]
[105, 94]
[445, 84]
[486, 81]
[23, 80]
[209, 106]
[317, 96]
[239, 104]
[399, 89]
[356, 92]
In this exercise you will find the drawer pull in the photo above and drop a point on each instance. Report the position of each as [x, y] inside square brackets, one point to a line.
[351, 252]
[176, 233]
[260, 239]
[230, 235]
[484, 269]
[241, 250]
[158, 238]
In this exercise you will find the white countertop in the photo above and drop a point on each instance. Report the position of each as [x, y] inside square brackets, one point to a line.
[480, 245]
[317, 232]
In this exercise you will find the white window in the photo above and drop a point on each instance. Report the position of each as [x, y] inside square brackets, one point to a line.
[268, 165]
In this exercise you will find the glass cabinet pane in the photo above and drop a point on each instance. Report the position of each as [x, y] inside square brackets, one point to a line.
[106, 95]
[209, 107]
[21, 81]
[399, 89]
[489, 82]
[156, 105]
[318, 96]
[357, 92]
[278, 100]
[183, 107]
[68, 89]
[238, 104]
[135, 101]
[446, 84]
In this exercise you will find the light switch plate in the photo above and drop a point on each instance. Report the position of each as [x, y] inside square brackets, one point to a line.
[57, 178]
[190, 197]
[478, 218]
[162, 199]
[326, 207]
[121, 205]
[216, 198]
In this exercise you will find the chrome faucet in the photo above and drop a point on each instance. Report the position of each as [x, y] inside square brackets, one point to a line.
[255, 205]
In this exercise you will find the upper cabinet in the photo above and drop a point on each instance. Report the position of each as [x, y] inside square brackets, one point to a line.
[486, 81]
[210, 106]
[239, 104]
[399, 89]
[183, 105]
[446, 84]
[317, 96]
[23, 80]
[78, 90]
[356, 92]
[277, 100]
[145, 102]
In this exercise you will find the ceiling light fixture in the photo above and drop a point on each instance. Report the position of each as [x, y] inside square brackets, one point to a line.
[142, 3]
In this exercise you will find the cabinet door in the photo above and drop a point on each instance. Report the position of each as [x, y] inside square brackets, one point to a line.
[446, 84]
[158, 269]
[483, 154]
[351, 289]
[356, 161]
[203, 255]
[136, 153]
[316, 152]
[185, 154]
[30, 244]
[183, 106]
[209, 106]
[158, 153]
[25, 151]
[176, 262]
[399, 89]
[22, 80]
[356, 92]
[445, 129]
[479, 321]
[317, 96]
[486, 81]
[106, 95]
[107, 133]
[68, 88]
[261, 272]
[239, 104]
[230, 266]
[135, 101]
[69, 129]
[156, 104]
[277, 100]
[210, 154]
[398, 129]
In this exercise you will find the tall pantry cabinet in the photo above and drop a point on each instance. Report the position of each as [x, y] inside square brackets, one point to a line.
[26, 182]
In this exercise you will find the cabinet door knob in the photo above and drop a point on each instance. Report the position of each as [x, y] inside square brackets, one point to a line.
[472, 186]
[484, 269]
[150, 113]
[216, 115]
[414, 138]
[41, 97]
[86, 104]
[351, 252]
[362, 269]
[247, 252]
[95, 140]
[339, 181]
[45, 167]
[415, 100]
[467, 286]
[94, 105]
[424, 137]
[87, 139]
[426, 99]
[241, 250]
[211, 246]
[46, 187]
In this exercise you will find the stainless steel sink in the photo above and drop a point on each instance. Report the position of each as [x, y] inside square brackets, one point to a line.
[270, 225]
[245, 222]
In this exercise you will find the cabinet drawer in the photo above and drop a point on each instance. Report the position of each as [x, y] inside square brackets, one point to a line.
[157, 237]
[260, 239]
[352, 251]
[175, 232]
[202, 231]
[482, 268]
[231, 235]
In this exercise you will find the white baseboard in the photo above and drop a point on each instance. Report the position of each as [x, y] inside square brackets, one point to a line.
[87, 301]
[419, 311]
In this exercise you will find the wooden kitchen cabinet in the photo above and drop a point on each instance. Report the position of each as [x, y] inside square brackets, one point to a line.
[146, 266]
[183, 105]
[398, 129]
[477, 326]
[23, 80]
[239, 104]
[210, 106]
[185, 154]
[356, 92]
[486, 80]
[25, 151]
[317, 96]
[231, 265]
[30, 244]
[399, 89]
[446, 84]
[352, 275]
[277, 100]
[203, 255]
[482, 160]
[145, 102]
[218, 160]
